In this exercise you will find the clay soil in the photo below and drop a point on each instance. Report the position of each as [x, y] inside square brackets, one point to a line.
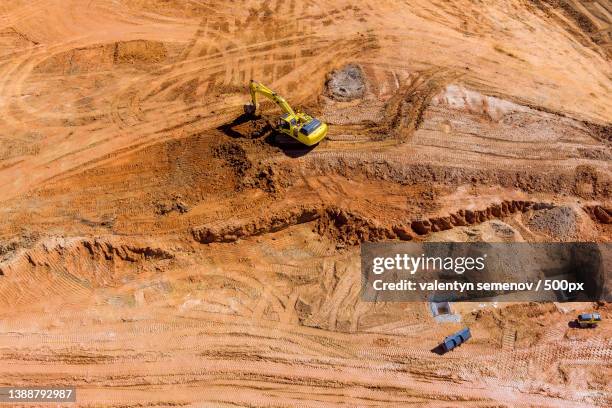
[157, 248]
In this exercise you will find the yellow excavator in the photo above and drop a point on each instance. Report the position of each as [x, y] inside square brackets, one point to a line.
[300, 126]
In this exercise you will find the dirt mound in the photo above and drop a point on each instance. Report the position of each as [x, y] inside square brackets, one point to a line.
[558, 222]
[262, 175]
[139, 51]
[347, 83]
[235, 156]
[490, 231]
[350, 228]
[174, 204]
[7, 249]
[248, 127]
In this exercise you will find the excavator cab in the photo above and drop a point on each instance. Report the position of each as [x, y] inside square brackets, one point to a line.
[298, 125]
[311, 131]
[286, 123]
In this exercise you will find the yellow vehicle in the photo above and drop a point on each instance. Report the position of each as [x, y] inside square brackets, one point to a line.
[589, 319]
[300, 126]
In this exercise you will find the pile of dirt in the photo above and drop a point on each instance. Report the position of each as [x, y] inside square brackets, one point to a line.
[350, 228]
[269, 178]
[558, 222]
[175, 204]
[489, 231]
[234, 155]
[247, 127]
[346, 84]
[248, 174]
[590, 183]
[7, 247]
[10, 247]
[143, 51]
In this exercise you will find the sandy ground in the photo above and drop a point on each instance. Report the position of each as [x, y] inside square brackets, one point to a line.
[158, 249]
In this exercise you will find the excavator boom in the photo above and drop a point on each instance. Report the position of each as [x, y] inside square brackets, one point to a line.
[257, 88]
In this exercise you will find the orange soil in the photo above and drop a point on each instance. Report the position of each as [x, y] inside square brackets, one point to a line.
[156, 249]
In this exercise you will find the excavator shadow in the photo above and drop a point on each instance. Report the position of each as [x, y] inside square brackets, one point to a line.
[236, 128]
[439, 350]
[289, 147]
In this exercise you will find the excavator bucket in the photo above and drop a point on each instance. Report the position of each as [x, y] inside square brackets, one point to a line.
[249, 109]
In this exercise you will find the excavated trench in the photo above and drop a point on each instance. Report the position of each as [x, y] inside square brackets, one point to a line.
[348, 227]
[599, 213]
[386, 167]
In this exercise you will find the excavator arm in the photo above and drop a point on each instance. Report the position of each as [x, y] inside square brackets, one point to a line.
[257, 88]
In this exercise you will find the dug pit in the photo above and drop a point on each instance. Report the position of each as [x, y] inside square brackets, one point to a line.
[346, 84]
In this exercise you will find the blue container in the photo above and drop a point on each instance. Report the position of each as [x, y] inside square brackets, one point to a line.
[454, 340]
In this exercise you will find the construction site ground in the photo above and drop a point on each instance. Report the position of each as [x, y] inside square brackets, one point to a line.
[159, 248]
